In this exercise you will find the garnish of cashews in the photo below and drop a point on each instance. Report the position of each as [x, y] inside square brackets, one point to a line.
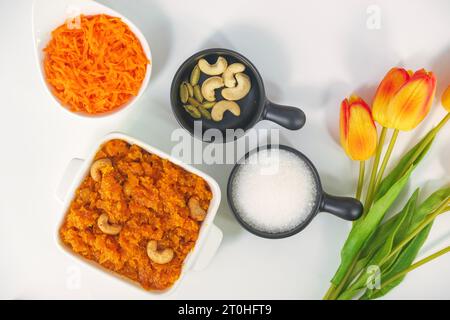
[106, 227]
[239, 91]
[97, 166]
[228, 74]
[195, 211]
[209, 86]
[220, 107]
[159, 256]
[213, 69]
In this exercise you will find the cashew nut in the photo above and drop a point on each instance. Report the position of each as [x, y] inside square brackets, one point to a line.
[241, 90]
[159, 256]
[106, 227]
[208, 87]
[222, 106]
[196, 212]
[213, 69]
[228, 75]
[96, 167]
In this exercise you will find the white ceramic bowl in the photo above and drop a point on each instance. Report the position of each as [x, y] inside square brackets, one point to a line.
[210, 236]
[49, 14]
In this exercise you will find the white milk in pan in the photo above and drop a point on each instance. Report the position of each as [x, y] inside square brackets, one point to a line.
[274, 191]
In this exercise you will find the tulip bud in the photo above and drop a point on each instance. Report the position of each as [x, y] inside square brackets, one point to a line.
[357, 128]
[403, 99]
[391, 83]
[446, 99]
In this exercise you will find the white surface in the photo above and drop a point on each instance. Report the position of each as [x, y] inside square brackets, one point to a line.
[310, 53]
[209, 237]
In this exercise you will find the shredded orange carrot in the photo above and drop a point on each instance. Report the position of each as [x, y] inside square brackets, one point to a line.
[96, 66]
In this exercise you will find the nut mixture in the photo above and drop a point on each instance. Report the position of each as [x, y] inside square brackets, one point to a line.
[198, 99]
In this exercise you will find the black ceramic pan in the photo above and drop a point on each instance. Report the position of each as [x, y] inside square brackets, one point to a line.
[342, 207]
[254, 107]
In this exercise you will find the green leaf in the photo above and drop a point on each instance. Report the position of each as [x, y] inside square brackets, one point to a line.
[365, 227]
[380, 244]
[429, 205]
[349, 294]
[404, 260]
[425, 208]
[410, 158]
[391, 226]
[409, 253]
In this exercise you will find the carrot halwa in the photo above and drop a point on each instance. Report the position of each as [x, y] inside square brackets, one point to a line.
[147, 200]
[94, 64]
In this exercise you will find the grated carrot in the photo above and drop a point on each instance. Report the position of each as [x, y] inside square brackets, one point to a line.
[96, 67]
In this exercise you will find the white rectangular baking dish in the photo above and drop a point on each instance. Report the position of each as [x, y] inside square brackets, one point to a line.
[210, 236]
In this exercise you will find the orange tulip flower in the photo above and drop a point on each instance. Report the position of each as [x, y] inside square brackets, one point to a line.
[403, 99]
[446, 99]
[358, 130]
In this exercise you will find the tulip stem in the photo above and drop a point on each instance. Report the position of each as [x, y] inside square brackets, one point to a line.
[334, 291]
[376, 162]
[387, 156]
[362, 170]
[443, 122]
[429, 219]
[415, 266]
[329, 292]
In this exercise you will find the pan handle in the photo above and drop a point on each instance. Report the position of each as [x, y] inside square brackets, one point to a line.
[291, 118]
[342, 207]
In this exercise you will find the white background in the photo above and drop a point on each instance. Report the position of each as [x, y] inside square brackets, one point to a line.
[311, 54]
